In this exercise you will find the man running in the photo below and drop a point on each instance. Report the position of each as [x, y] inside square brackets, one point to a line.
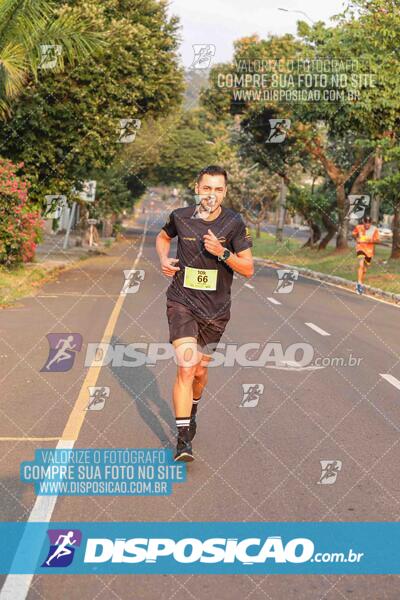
[211, 245]
[366, 236]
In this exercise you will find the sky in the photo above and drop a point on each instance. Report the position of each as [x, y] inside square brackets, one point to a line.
[220, 22]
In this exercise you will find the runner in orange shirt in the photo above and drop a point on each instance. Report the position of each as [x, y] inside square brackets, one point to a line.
[366, 236]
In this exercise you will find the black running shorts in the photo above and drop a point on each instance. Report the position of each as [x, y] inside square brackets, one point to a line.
[184, 323]
[366, 258]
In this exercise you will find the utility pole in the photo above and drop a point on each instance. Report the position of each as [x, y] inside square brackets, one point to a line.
[282, 210]
[375, 200]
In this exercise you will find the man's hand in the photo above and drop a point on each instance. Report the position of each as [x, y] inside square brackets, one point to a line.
[167, 266]
[212, 244]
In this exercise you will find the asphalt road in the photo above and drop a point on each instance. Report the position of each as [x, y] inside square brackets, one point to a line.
[259, 463]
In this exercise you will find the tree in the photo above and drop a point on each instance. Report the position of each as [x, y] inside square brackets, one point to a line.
[184, 151]
[70, 121]
[195, 81]
[368, 33]
[26, 28]
[388, 188]
[316, 204]
[277, 159]
[364, 114]
[250, 191]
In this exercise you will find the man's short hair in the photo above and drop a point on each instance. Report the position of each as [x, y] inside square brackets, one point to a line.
[213, 170]
[367, 219]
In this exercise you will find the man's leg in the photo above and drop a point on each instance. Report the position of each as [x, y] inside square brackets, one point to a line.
[201, 376]
[199, 383]
[361, 270]
[366, 264]
[187, 357]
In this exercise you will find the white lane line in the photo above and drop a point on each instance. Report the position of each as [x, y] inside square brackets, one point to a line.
[391, 379]
[16, 587]
[317, 329]
[78, 295]
[249, 286]
[274, 301]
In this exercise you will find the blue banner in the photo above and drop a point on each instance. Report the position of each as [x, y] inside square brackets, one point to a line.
[200, 548]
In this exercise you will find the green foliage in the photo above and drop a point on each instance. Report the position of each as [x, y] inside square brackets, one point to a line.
[184, 152]
[65, 126]
[388, 186]
[312, 202]
[339, 136]
[112, 193]
[24, 28]
[195, 81]
[251, 190]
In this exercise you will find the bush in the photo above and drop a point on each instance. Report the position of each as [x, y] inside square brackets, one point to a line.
[20, 222]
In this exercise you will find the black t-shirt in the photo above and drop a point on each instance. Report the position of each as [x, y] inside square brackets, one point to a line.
[231, 232]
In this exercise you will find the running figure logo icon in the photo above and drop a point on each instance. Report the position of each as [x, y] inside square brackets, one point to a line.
[128, 129]
[278, 130]
[286, 279]
[358, 203]
[97, 397]
[88, 191]
[251, 394]
[62, 547]
[203, 54]
[329, 471]
[205, 204]
[55, 205]
[133, 279]
[63, 347]
[49, 54]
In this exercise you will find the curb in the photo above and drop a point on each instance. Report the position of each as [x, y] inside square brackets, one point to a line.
[333, 280]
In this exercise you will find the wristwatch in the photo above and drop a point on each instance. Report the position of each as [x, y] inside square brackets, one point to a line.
[225, 255]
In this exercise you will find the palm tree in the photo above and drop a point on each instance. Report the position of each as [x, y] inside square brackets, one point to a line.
[28, 25]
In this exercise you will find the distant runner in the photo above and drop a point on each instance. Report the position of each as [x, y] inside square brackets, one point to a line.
[366, 236]
[212, 243]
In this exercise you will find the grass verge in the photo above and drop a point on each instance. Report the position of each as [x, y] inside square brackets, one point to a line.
[383, 273]
[23, 281]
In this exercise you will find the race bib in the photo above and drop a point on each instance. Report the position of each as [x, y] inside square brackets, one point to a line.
[200, 279]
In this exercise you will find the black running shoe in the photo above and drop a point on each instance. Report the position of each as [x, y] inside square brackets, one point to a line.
[184, 447]
[192, 427]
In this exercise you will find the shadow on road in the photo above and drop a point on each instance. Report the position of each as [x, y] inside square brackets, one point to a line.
[141, 385]
[12, 498]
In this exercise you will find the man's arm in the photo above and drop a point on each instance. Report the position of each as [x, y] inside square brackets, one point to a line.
[241, 262]
[163, 245]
